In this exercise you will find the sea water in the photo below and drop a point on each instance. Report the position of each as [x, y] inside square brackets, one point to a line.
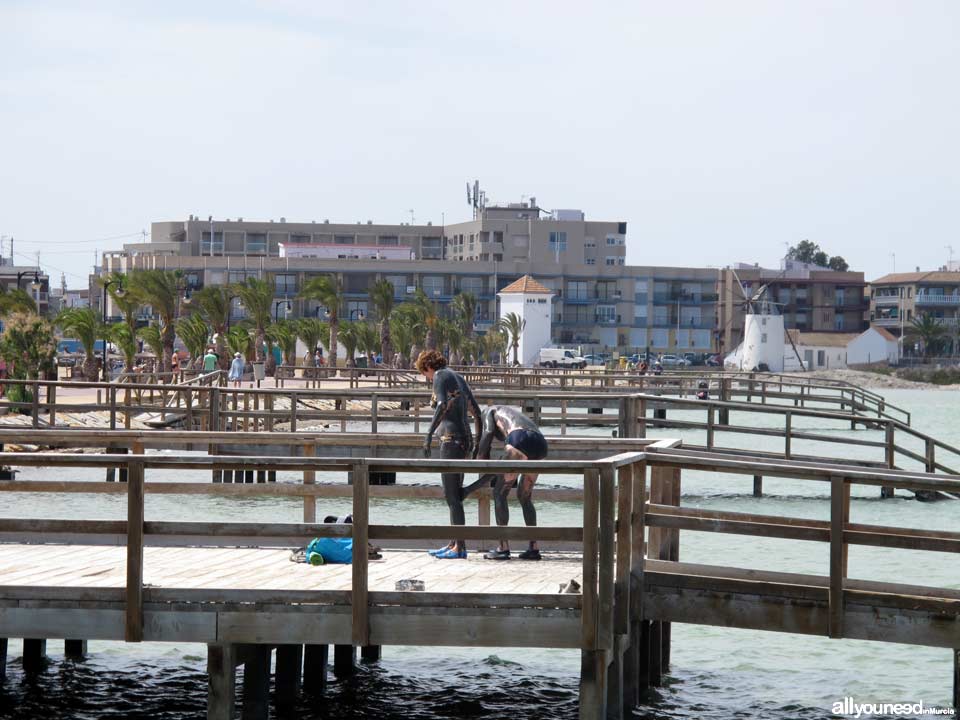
[715, 672]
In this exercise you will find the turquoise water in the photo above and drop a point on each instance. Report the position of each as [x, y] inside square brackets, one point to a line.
[715, 672]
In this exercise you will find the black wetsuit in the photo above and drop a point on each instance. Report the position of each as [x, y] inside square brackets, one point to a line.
[453, 399]
[525, 437]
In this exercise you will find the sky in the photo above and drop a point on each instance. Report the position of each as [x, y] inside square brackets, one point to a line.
[721, 132]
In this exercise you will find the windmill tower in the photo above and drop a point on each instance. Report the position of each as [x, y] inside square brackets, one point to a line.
[763, 335]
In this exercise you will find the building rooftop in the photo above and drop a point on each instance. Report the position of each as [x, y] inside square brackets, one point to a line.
[526, 284]
[821, 339]
[915, 277]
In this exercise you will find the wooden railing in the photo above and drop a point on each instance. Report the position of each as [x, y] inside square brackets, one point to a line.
[628, 600]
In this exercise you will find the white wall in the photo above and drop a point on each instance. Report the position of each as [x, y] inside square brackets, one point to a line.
[871, 347]
[536, 333]
[833, 357]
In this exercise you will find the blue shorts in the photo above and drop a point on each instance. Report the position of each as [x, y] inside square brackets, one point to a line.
[529, 442]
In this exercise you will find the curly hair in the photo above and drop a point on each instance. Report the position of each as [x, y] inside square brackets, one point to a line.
[430, 360]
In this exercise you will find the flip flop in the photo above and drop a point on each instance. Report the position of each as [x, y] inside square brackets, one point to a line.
[436, 552]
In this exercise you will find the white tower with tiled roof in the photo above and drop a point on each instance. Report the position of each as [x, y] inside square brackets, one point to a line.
[532, 302]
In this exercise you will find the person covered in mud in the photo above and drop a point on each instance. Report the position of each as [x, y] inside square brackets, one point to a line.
[522, 440]
[453, 401]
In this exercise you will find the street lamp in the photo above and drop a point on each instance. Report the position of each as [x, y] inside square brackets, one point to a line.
[276, 309]
[358, 312]
[36, 284]
[119, 292]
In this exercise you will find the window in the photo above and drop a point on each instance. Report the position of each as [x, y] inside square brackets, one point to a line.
[589, 242]
[286, 284]
[217, 244]
[590, 261]
[606, 313]
[576, 290]
[838, 322]
[299, 239]
[388, 240]
[558, 241]
[640, 314]
[821, 358]
[432, 285]
[344, 240]
[578, 314]
[763, 338]
[541, 301]
[399, 283]
[661, 337]
[238, 276]
[356, 308]
[611, 260]
[256, 244]
[476, 286]
[613, 240]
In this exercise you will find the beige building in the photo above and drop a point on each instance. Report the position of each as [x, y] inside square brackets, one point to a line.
[599, 302]
[810, 298]
[29, 278]
[897, 299]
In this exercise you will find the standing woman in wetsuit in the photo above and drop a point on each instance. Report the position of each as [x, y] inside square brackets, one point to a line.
[453, 400]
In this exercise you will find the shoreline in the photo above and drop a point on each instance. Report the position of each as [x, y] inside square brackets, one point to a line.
[872, 380]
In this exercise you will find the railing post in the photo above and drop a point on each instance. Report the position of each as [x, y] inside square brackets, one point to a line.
[35, 410]
[593, 662]
[113, 407]
[215, 409]
[293, 412]
[931, 455]
[710, 426]
[134, 592]
[839, 513]
[52, 403]
[373, 413]
[787, 433]
[618, 696]
[890, 457]
[359, 596]
[309, 478]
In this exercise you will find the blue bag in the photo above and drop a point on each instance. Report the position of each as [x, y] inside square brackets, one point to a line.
[331, 549]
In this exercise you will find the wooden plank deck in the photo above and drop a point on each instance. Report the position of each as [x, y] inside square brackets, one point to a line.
[99, 566]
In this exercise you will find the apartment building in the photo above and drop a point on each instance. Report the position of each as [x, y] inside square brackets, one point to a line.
[897, 299]
[29, 278]
[599, 302]
[810, 298]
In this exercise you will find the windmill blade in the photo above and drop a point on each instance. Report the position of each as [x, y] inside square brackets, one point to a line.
[740, 285]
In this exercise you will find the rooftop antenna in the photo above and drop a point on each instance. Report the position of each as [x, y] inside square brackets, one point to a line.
[950, 249]
[469, 198]
[412, 218]
[894, 256]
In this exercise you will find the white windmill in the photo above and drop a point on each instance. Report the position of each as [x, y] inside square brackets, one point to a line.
[763, 346]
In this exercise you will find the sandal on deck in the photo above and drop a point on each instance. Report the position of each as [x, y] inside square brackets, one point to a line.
[531, 554]
[497, 555]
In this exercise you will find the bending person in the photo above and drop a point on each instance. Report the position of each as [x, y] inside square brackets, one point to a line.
[522, 441]
[453, 400]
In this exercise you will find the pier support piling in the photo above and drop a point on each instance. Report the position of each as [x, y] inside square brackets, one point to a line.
[34, 654]
[287, 681]
[256, 683]
[315, 668]
[344, 660]
[221, 681]
[371, 653]
[75, 649]
[3, 658]
[956, 679]
[758, 485]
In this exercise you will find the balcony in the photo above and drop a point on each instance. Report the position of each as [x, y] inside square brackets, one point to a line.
[887, 322]
[578, 300]
[684, 299]
[886, 300]
[941, 300]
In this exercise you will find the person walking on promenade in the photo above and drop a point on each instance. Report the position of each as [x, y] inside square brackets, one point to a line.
[453, 400]
[522, 440]
[236, 369]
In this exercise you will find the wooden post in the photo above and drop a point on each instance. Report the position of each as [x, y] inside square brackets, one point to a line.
[256, 682]
[889, 457]
[606, 569]
[35, 410]
[288, 674]
[134, 595]
[126, 408]
[373, 413]
[787, 433]
[309, 478]
[839, 500]
[416, 416]
[246, 409]
[293, 412]
[34, 654]
[641, 417]
[3, 659]
[215, 409]
[188, 405]
[268, 405]
[75, 649]
[593, 665]
[52, 404]
[483, 514]
[344, 658]
[113, 407]
[956, 679]
[359, 597]
[634, 664]
[930, 455]
[370, 653]
[315, 668]
[563, 414]
[617, 680]
[758, 485]
[710, 427]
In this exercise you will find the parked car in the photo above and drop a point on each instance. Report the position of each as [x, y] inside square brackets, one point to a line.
[594, 359]
[714, 361]
[694, 358]
[674, 361]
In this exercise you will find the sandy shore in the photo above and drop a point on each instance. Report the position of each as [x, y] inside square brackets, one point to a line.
[873, 381]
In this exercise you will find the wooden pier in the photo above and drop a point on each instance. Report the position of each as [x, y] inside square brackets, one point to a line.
[137, 579]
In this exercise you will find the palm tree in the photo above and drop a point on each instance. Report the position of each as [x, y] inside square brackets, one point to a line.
[214, 303]
[368, 340]
[465, 311]
[325, 289]
[239, 341]
[930, 331]
[454, 341]
[257, 297]
[312, 331]
[18, 300]
[194, 332]
[349, 339]
[408, 331]
[284, 334]
[495, 344]
[160, 289]
[381, 297]
[429, 316]
[85, 325]
[513, 325]
[125, 339]
[152, 339]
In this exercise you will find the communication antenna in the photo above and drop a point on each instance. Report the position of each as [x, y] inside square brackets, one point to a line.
[950, 250]
[469, 199]
[412, 219]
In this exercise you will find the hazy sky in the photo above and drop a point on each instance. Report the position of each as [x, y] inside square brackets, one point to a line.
[720, 131]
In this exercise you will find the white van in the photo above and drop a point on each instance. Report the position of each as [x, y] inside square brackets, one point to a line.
[558, 357]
